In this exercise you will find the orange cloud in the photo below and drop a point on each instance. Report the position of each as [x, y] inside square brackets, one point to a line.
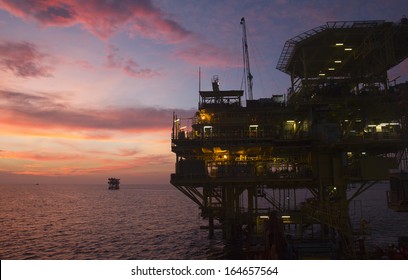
[128, 152]
[141, 165]
[36, 112]
[43, 156]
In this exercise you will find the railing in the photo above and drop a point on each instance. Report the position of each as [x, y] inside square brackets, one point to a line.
[283, 177]
[289, 46]
[247, 138]
[287, 52]
[330, 214]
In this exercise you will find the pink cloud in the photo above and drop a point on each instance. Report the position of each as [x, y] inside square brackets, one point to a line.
[43, 112]
[204, 54]
[105, 18]
[101, 18]
[133, 69]
[23, 60]
[85, 64]
[113, 59]
[128, 66]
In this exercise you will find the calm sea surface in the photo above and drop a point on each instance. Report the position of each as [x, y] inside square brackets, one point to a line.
[385, 225]
[92, 222]
[135, 222]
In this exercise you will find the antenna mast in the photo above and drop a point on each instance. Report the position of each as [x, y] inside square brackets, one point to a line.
[247, 69]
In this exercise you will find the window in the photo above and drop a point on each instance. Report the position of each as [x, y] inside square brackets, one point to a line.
[207, 131]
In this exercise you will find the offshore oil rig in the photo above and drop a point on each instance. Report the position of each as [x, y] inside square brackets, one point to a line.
[113, 183]
[342, 122]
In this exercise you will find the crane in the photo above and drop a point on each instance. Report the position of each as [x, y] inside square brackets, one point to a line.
[247, 69]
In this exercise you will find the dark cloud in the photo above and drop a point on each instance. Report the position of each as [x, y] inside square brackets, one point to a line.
[23, 60]
[57, 14]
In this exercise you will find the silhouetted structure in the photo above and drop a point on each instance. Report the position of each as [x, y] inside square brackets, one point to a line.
[342, 123]
[113, 183]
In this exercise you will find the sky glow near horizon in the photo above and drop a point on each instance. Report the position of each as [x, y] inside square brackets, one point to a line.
[88, 88]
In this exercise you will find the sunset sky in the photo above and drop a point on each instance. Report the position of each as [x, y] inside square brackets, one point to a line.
[88, 88]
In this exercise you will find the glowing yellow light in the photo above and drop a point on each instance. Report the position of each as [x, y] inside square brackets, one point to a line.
[348, 49]
[331, 69]
[337, 61]
[339, 44]
[322, 74]
[285, 217]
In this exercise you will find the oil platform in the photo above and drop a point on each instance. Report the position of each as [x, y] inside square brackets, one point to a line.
[113, 183]
[342, 122]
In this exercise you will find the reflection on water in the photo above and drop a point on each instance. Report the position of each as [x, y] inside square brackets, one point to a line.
[135, 222]
[384, 225]
[91, 222]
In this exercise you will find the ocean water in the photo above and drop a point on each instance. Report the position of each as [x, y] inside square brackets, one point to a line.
[384, 225]
[92, 222]
[136, 222]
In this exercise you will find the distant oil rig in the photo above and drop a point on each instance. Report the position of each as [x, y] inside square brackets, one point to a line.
[113, 183]
[342, 122]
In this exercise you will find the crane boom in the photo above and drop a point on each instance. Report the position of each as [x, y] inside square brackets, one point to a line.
[247, 68]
